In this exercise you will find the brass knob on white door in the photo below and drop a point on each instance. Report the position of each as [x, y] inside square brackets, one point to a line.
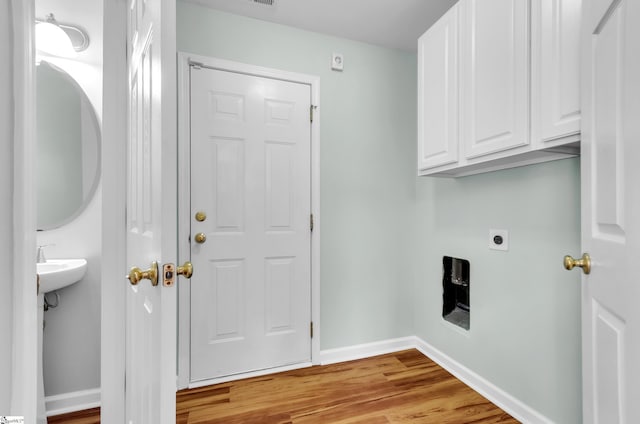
[136, 274]
[200, 216]
[200, 238]
[584, 262]
[185, 270]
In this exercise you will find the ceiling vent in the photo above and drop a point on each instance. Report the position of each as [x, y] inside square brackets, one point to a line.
[264, 2]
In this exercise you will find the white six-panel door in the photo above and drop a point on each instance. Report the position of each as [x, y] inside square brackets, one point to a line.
[611, 211]
[151, 219]
[250, 178]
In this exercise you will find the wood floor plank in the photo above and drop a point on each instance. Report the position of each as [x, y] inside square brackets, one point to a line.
[404, 387]
[398, 388]
[87, 416]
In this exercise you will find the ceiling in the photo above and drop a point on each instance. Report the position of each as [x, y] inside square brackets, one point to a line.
[388, 23]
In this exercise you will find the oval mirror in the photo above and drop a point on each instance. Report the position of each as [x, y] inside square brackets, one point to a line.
[68, 159]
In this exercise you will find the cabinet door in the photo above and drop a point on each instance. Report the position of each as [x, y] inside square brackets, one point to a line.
[438, 93]
[494, 75]
[555, 87]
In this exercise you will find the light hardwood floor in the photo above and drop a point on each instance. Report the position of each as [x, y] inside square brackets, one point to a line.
[402, 387]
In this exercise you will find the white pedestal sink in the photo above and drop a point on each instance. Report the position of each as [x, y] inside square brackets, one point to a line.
[53, 274]
[58, 273]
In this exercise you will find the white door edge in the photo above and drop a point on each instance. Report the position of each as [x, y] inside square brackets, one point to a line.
[114, 158]
[184, 307]
[250, 374]
[24, 343]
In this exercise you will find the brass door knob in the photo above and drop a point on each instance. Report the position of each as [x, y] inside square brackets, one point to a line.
[185, 270]
[200, 238]
[584, 263]
[136, 274]
[200, 216]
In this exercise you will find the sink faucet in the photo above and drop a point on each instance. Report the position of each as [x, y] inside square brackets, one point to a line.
[40, 254]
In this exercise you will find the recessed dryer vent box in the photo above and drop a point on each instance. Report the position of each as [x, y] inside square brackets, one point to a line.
[456, 306]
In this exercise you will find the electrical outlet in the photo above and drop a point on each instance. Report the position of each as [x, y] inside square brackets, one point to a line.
[337, 62]
[498, 239]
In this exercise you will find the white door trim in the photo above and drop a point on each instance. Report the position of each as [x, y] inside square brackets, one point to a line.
[24, 342]
[184, 307]
[114, 159]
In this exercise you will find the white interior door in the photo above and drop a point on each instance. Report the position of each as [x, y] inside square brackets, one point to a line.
[151, 212]
[611, 206]
[250, 179]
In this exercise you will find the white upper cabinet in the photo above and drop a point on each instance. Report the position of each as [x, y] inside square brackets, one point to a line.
[494, 75]
[438, 93]
[498, 86]
[555, 83]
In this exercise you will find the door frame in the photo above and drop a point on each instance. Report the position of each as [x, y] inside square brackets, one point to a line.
[114, 159]
[22, 209]
[184, 248]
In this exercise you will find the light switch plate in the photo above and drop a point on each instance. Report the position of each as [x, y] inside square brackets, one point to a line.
[337, 62]
[498, 239]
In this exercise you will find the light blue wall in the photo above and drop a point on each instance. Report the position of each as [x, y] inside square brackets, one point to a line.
[384, 231]
[367, 151]
[525, 308]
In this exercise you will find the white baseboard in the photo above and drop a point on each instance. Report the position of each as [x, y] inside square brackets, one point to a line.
[72, 402]
[514, 407]
[329, 356]
[350, 353]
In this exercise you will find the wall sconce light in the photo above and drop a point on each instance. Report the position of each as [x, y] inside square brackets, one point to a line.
[58, 39]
